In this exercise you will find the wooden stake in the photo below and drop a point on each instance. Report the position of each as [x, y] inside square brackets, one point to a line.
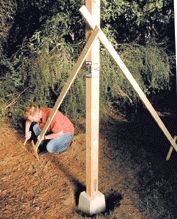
[102, 37]
[66, 87]
[35, 152]
[25, 141]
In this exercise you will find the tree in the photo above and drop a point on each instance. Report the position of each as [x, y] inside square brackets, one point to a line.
[139, 21]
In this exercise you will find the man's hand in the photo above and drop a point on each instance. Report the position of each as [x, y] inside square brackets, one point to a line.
[39, 138]
[28, 135]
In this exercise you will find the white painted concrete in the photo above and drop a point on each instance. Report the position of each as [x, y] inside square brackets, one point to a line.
[92, 205]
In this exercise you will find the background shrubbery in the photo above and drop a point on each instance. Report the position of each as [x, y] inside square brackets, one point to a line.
[41, 40]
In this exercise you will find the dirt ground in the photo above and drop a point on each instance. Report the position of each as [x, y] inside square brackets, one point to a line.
[50, 187]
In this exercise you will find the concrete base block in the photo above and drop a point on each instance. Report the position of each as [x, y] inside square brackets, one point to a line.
[92, 205]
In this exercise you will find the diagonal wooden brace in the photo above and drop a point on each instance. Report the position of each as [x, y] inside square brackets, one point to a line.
[107, 44]
[68, 84]
[170, 150]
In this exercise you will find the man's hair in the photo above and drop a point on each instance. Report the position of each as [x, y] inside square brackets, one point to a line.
[31, 111]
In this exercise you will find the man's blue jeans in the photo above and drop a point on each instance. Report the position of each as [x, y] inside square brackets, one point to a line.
[58, 144]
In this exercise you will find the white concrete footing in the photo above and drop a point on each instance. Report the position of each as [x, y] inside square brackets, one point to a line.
[92, 205]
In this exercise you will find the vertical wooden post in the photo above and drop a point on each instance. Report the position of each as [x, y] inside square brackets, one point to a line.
[92, 105]
[175, 20]
[92, 201]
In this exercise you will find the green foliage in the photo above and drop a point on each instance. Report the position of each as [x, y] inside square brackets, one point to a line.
[56, 17]
[139, 20]
[7, 11]
[43, 46]
[41, 65]
[150, 66]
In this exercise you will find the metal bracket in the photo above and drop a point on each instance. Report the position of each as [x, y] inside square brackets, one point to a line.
[92, 69]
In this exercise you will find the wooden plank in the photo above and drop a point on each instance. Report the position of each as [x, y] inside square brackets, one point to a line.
[103, 39]
[66, 87]
[92, 105]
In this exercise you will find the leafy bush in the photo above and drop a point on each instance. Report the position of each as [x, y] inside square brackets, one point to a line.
[139, 21]
[44, 75]
[7, 12]
[150, 66]
[40, 68]
[36, 68]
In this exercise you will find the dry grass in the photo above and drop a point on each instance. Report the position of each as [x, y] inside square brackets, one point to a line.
[137, 181]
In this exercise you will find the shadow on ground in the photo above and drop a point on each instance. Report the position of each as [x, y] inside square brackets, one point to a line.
[78, 186]
[141, 147]
[112, 199]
